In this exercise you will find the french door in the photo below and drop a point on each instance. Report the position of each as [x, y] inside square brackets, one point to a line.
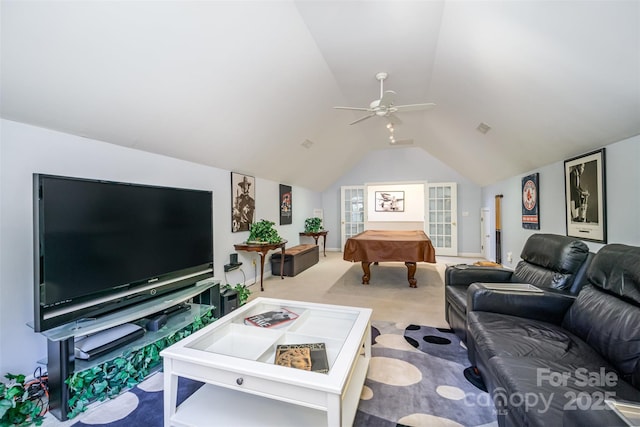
[443, 213]
[352, 199]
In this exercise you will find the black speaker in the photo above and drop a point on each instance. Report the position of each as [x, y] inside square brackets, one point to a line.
[228, 301]
[233, 259]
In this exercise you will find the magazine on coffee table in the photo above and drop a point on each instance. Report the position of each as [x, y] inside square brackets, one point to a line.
[517, 287]
[271, 318]
[309, 357]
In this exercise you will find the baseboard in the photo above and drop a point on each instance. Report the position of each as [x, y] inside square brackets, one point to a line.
[470, 254]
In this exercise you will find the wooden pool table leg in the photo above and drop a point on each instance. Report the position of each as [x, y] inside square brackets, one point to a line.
[411, 272]
[367, 272]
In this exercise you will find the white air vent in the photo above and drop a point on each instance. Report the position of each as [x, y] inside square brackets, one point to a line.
[483, 128]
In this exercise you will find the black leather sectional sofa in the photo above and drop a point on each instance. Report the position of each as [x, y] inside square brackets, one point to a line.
[553, 359]
[549, 261]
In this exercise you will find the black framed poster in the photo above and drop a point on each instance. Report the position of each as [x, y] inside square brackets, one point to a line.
[530, 202]
[286, 213]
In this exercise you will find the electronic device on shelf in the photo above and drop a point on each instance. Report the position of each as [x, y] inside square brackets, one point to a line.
[96, 344]
[233, 263]
[101, 246]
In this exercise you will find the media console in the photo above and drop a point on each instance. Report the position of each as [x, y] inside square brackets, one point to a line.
[104, 338]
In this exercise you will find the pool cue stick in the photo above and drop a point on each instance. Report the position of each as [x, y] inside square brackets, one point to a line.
[498, 230]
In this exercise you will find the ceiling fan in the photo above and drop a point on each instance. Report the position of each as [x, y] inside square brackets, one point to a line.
[385, 107]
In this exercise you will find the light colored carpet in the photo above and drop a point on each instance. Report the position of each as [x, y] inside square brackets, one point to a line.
[335, 281]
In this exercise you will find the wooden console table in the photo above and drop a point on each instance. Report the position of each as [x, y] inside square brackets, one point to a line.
[263, 249]
[316, 235]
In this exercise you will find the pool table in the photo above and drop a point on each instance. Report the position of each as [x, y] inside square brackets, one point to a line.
[408, 246]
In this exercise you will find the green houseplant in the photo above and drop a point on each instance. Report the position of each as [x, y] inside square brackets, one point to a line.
[312, 225]
[111, 378]
[263, 232]
[16, 407]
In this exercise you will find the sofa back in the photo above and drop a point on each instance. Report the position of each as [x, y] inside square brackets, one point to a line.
[553, 261]
[606, 313]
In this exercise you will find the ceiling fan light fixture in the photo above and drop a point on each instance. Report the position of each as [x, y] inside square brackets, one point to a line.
[385, 106]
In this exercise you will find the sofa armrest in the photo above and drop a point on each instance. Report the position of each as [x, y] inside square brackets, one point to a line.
[464, 274]
[549, 305]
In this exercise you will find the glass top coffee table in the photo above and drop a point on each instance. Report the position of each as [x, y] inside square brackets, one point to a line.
[243, 385]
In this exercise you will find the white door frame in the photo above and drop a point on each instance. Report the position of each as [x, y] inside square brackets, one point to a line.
[440, 215]
[349, 222]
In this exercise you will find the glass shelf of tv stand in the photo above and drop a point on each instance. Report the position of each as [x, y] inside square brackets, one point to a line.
[129, 314]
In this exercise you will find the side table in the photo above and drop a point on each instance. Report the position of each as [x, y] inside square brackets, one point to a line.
[316, 235]
[263, 249]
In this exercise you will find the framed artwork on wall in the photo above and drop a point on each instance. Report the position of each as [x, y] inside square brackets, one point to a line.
[530, 202]
[243, 201]
[585, 197]
[286, 214]
[389, 201]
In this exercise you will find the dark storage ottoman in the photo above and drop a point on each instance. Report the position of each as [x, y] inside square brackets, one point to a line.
[296, 259]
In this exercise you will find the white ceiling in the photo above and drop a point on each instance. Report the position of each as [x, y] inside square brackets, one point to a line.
[240, 85]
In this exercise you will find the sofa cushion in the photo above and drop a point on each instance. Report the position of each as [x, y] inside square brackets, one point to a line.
[606, 313]
[611, 326]
[503, 335]
[550, 260]
[524, 358]
[616, 270]
[537, 391]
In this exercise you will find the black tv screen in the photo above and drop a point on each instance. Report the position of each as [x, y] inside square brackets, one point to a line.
[99, 244]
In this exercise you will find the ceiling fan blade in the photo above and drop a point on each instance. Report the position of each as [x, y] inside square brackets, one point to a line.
[414, 107]
[394, 120]
[352, 108]
[402, 142]
[363, 118]
[387, 98]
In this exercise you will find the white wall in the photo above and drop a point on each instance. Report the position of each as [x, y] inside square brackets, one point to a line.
[406, 165]
[622, 194]
[25, 150]
[413, 200]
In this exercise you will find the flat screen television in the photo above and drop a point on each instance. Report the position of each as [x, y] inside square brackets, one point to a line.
[101, 246]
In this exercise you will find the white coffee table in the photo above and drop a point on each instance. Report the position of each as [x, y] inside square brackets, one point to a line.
[243, 385]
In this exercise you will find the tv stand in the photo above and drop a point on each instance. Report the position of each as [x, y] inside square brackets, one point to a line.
[62, 362]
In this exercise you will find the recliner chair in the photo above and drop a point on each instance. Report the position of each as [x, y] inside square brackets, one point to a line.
[549, 261]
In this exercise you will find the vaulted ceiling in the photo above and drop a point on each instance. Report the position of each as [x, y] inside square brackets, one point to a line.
[249, 86]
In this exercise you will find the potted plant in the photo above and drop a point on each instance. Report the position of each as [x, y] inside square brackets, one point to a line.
[263, 232]
[16, 407]
[312, 225]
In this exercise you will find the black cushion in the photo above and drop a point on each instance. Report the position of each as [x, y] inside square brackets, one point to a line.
[550, 260]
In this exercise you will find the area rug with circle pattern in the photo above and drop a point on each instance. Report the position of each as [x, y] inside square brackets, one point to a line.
[415, 378]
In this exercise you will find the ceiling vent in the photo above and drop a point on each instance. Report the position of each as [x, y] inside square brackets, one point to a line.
[483, 128]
